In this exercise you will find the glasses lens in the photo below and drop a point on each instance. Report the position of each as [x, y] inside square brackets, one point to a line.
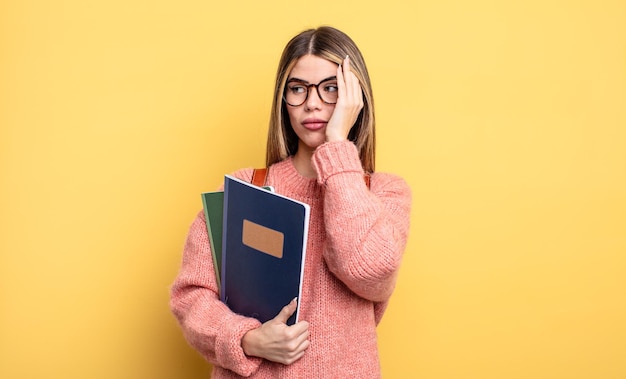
[328, 91]
[295, 93]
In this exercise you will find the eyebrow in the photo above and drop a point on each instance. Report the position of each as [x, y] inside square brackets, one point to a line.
[306, 82]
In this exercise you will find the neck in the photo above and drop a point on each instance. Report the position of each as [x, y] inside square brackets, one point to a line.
[302, 162]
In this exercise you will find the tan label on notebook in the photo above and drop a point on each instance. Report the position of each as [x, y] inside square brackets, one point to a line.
[263, 239]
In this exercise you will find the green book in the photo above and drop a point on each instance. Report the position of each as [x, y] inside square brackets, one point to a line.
[213, 204]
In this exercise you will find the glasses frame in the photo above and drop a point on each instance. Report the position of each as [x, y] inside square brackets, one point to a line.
[308, 90]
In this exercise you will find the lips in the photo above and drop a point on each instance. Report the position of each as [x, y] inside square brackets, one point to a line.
[314, 123]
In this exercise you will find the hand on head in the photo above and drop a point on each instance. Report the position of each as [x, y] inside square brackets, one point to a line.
[349, 104]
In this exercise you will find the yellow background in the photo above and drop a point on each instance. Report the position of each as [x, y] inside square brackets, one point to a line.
[507, 118]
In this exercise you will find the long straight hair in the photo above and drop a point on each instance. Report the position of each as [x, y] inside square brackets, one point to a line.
[333, 45]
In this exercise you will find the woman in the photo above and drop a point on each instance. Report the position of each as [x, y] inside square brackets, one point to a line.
[320, 150]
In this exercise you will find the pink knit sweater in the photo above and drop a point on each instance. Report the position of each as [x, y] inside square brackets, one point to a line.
[355, 245]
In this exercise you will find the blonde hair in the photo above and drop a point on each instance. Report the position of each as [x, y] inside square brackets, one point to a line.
[333, 45]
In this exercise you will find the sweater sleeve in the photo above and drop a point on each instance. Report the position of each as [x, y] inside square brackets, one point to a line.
[207, 323]
[367, 229]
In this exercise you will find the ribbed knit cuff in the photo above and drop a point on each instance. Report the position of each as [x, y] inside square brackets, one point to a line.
[228, 350]
[332, 158]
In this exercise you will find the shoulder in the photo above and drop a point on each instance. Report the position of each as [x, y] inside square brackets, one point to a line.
[383, 182]
[243, 174]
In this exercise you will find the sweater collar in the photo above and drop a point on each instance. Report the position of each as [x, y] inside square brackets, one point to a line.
[294, 182]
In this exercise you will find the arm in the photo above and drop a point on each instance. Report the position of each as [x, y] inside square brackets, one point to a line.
[207, 323]
[223, 338]
[366, 229]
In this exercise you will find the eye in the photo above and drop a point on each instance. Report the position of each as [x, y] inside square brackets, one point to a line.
[297, 89]
[330, 87]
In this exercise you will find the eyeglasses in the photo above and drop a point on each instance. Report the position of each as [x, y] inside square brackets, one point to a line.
[297, 91]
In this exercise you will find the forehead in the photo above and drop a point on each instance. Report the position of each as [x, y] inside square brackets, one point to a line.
[313, 69]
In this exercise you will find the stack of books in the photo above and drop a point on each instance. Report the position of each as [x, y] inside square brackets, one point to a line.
[258, 240]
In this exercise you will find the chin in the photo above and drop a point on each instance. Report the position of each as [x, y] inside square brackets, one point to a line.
[312, 143]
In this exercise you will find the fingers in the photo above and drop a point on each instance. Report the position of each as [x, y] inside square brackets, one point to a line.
[295, 337]
[295, 351]
[348, 75]
[287, 311]
[350, 80]
[353, 87]
[296, 343]
[350, 92]
[344, 79]
[341, 85]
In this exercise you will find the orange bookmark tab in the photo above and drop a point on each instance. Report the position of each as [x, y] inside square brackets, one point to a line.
[263, 239]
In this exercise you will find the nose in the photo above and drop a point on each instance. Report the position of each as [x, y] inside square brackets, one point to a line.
[313, 100]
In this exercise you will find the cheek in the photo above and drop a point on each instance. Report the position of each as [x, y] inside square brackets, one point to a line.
[293, 115]
[330, 109]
